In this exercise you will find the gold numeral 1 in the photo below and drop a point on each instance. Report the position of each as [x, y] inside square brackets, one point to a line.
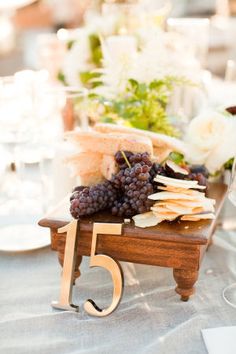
[70, 255]
[108, 263]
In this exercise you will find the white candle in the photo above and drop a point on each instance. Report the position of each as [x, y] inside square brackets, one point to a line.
[7, 35]
[222, 8]
[63, 182]
[230, 70]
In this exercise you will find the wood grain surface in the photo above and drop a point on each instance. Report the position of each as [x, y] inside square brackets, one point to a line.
[177, 231]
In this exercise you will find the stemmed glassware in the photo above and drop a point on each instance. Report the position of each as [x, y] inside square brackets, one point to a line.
[229, 293]
[25, 123]
[195, 32]
[33, 115]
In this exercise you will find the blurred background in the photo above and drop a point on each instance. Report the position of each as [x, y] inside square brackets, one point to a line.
[23, 23]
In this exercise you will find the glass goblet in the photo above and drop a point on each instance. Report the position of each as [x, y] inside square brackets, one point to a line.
[229, 293]
[20, 207]
[195, 31]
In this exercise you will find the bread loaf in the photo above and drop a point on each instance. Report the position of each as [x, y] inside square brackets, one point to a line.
[162, 144]
[85, 163]
[110, 143]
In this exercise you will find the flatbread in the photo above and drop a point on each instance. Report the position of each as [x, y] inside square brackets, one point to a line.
[178, 183]
[171, 195]
[146, 220]
[165, 217]
[206, 202]
[162, 211]
[179, 190]
[181, 203]
[178, 209]
[197, 217]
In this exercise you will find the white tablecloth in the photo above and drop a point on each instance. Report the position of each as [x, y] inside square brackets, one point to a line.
[150, 319]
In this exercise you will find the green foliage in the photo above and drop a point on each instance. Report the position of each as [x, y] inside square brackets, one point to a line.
[229, 164]
[87, 78]
[143, 106]
[176, 157]
[96, 50]
[61, 77]
[70, 44]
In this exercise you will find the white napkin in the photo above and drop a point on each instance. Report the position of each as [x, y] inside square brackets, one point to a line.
[221, 340]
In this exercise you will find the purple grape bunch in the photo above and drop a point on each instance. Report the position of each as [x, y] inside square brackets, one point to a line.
[134, 184]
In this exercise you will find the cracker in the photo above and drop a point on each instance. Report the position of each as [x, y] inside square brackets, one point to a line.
[165, 217]
[176, 196]
[197, 217]
[179, 210]
[179, 190]
[178, 182]
[146, 220]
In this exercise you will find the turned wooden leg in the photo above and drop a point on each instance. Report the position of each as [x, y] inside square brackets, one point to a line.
[77, 264]
[185, 280]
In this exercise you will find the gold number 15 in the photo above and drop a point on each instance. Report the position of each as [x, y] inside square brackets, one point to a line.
[65, 299]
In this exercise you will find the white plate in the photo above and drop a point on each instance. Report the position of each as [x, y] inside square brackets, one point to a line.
[23, 237]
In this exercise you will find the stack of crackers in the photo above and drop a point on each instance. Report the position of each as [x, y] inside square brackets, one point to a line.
[177, 198]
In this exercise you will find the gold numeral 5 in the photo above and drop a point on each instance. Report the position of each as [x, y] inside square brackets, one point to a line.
[108, 263]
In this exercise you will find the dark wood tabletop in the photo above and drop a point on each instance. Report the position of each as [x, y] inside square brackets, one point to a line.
[194, 232]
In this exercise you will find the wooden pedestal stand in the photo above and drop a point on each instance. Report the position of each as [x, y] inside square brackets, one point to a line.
[177, 245]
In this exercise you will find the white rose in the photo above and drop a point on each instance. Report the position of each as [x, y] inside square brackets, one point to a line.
[211, 139]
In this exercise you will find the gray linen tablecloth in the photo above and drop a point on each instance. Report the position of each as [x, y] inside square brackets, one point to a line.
[150, 319]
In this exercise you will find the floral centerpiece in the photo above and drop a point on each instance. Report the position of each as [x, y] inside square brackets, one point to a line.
[135, 86]
[135, 76]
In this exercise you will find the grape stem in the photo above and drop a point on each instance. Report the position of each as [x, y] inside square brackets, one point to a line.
[126, 160]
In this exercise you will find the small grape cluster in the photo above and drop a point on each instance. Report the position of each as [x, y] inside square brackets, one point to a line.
[199, 173]
[89, 200]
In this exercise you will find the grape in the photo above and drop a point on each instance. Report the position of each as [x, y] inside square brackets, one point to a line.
[120, 160]
[157, 169]
[90, 200]
[195, 169]
[133, 159]
[199, 177]
[231, 110]
[78, 189]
